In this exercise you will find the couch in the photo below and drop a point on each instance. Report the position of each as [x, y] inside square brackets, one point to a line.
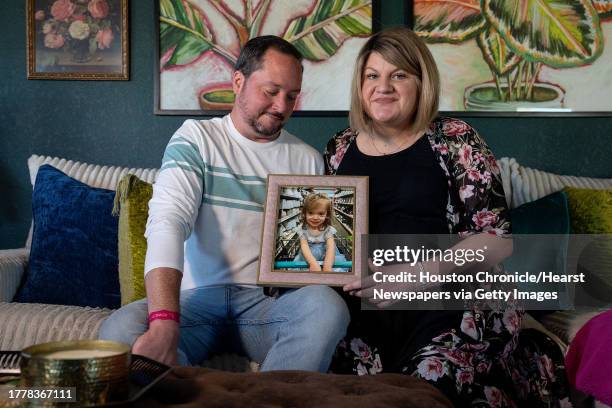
[24, 324]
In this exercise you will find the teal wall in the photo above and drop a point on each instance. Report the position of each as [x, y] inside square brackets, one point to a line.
[113, 122]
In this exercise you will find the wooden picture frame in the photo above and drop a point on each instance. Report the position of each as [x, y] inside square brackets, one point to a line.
[77, 40]
[198, 42]
[282, 262]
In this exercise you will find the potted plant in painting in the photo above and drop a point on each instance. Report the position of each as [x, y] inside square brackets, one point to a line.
[187, 33]
[517, 38]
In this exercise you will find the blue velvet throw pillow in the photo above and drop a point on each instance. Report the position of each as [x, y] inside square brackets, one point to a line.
[73, 258]
[547, 215]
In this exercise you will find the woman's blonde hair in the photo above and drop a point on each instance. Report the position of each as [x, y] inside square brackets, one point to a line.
[401, 47]
[310, 201]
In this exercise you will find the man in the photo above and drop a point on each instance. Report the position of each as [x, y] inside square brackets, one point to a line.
[210, 193]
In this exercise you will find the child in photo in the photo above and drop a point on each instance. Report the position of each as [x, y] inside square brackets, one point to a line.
[317, 235]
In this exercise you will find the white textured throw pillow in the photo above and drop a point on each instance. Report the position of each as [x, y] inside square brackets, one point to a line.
[524, 184]
[93, 175]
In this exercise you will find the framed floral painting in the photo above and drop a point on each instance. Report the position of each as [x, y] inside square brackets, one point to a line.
[199, 42]
[77, 39]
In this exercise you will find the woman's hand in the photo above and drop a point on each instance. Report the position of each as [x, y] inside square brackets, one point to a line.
[314, 266]
[387, 281]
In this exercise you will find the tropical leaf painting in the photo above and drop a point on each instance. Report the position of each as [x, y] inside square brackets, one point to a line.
[319, 35]
[199, 42]
[520, 55]
[447, 21]
[558, 33]
[603, 7]
[496, 53]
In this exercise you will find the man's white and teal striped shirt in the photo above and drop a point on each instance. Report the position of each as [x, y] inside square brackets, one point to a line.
[206, 213]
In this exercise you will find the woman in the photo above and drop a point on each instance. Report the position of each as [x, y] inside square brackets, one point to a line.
[432, 175]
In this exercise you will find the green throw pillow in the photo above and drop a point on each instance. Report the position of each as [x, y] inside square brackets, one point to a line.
[132, 203]
[591, 210]
[591, 213]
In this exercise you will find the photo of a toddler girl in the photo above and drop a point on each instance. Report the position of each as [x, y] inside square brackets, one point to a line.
[315, 229]
[317, 245]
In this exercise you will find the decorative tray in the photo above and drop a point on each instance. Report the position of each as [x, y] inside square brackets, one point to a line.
[144, 373]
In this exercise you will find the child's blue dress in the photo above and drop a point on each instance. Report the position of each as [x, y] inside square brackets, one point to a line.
[317, 243]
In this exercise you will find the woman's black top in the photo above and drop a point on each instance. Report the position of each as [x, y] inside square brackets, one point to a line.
[408, 194]
[408, 191]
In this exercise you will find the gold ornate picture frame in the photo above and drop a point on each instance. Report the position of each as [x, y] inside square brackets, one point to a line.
[77, 39]
[282, 261]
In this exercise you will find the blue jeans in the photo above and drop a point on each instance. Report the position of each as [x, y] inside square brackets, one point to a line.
[299, 330]
[318, 251]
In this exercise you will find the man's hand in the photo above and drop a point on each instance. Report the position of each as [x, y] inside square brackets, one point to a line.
[160, 342]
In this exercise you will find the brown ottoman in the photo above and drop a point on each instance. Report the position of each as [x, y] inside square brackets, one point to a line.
[202, 387]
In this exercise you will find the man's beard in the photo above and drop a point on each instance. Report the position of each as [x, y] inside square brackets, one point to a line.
[252, 121]
[266, 131]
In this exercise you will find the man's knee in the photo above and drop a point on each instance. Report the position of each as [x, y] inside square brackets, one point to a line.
[126, 324]
[326, 308]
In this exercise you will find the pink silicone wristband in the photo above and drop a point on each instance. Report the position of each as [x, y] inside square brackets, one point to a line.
[164, 315]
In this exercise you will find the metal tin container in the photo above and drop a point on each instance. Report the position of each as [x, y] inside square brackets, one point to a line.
[97, 369]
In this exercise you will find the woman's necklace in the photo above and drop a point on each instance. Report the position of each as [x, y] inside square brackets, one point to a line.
[396, 148]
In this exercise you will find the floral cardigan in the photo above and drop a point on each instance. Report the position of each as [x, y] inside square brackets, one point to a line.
[496, 368]
[476, 200]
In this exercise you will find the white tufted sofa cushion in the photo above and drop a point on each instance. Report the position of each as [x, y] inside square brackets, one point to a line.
[25, 324]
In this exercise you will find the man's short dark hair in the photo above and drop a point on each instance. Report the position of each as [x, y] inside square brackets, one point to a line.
[251, 56]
